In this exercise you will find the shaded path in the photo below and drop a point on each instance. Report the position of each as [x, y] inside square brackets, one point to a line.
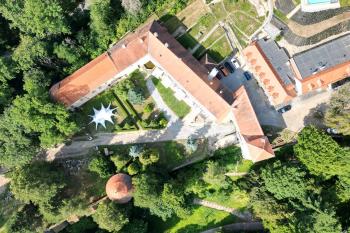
[246, 216]
[175, 131]
[239, 227]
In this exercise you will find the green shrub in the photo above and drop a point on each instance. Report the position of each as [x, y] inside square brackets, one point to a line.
[120, 161]
[102, 166]
[133, 168]
[150, 156]
[135, 96]
[149, 108]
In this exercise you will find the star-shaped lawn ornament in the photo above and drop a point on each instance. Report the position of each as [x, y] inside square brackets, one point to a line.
[103, 115]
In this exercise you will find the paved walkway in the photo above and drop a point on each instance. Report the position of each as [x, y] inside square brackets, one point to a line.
[301, 113]
[175, 131]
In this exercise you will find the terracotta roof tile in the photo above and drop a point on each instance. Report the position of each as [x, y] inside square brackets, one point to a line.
[249, 127]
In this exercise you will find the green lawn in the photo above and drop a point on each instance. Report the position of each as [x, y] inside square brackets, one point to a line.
[202, 218]
[279, 14]
[240, 5]
[241, 38]
[218, 10]
[220, 50]
[247, 24]
[187, 41]
[203, 26]
[344, 3]
[237, 199]
[180, 108]
[219, 32]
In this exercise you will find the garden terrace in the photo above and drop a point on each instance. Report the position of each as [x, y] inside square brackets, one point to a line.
[130, 115]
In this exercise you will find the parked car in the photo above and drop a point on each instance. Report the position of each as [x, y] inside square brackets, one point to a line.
[247, 75]
[224, 70]
[235, 63]
[230, 67]
[219, 75]
[285, 109]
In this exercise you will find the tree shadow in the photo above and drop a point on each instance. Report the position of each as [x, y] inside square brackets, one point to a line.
[316, 116]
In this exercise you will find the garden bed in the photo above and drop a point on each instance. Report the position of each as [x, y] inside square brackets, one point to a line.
[179, 107]
[220, 50]
[129, 116]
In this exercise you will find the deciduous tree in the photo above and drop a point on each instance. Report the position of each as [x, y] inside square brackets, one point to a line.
[39, 182]
[111, 216]
[321, 154]
[132, 6]
[338, 112]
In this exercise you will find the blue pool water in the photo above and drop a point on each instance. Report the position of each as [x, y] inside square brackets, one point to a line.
[318, 1]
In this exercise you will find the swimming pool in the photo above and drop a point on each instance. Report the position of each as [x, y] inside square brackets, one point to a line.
[318, 1]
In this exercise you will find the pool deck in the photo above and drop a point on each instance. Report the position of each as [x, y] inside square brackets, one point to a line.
[306, 7]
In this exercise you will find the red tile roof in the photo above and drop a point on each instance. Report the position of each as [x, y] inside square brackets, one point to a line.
[153, 40]
[249, 127]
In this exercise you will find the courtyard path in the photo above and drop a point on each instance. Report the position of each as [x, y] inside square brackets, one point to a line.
[175, 131]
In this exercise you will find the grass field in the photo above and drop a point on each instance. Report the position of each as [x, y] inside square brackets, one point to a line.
[202, 218]
[180, 108]
[220, 50]
[192, 13]
[240, 37]
[219, 32]
[344, 3]
[219, 10]
[203, 26]
[244, 22]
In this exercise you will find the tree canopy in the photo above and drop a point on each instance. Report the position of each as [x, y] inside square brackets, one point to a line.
[338, 112]
[321, 154]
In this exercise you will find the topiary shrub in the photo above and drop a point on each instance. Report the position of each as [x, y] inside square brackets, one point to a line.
[133, 168]
[149, 108]
[149, 156]
[120, 161]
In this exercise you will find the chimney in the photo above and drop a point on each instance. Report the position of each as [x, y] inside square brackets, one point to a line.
[155, 34]
[123, 46]
[211, 83]
[166, 45]
[141, 40]
[221, 91]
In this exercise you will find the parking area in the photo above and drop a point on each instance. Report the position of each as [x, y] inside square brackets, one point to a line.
[266, 113]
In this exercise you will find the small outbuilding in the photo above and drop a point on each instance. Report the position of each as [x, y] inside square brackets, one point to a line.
[119, 188]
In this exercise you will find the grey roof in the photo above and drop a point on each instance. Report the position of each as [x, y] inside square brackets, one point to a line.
[278, 58]
[323, 57]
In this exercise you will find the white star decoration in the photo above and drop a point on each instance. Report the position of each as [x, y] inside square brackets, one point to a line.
[103, 115]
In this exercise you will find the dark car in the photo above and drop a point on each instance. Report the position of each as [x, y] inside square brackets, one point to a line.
[284, 109]
[224, 70]
[229, 67]
[219, 75]
[247, 75]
